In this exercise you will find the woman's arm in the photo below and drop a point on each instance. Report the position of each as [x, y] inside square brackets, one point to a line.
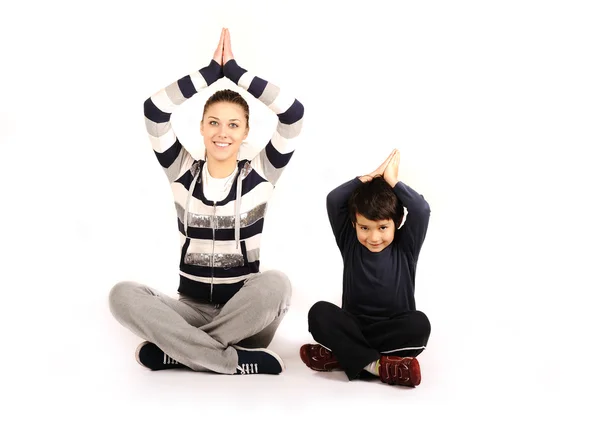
[158, 109]
[273, 158]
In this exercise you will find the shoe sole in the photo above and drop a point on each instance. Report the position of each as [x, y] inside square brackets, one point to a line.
[137, 352]
[270, 352]
[414, 372]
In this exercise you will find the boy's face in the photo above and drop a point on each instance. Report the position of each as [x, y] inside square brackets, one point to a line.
[374, 235]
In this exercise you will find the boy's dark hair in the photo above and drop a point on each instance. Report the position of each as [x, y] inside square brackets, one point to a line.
[228, 95]
[375, 200]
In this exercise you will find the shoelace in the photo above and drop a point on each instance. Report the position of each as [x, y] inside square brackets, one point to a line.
[324, 353]
[320, 353]
[248, 368]
[396, 372]
[168, 360]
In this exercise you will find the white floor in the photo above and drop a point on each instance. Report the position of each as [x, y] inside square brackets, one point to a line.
[494, 107]
[85, 378]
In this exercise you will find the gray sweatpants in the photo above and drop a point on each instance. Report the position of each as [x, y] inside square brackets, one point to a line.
[201, 335]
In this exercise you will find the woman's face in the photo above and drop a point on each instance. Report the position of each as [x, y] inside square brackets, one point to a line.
[223, 127]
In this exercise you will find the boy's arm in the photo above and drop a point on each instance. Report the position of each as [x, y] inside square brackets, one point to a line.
[412, 234]
[337, 211]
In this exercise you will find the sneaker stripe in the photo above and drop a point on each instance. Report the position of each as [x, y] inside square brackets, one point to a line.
[273, 354]
[167, 360]
[251, 368]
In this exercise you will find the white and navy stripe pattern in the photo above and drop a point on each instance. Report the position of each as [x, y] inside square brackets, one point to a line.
[212, 268]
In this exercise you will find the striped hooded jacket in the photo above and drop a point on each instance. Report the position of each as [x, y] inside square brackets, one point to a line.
[220, 241]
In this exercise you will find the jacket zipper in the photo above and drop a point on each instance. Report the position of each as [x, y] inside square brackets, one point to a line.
[212, 257]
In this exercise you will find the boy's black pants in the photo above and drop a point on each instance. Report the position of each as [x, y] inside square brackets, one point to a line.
[356, 341]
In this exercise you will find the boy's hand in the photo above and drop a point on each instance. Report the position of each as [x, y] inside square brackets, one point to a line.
[380, 170]
[227, 53]
[391, 171]
[218, 56]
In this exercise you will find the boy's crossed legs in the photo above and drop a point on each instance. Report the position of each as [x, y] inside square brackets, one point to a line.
[387, 347]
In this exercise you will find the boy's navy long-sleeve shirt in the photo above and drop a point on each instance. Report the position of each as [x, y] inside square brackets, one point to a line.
[379, 285]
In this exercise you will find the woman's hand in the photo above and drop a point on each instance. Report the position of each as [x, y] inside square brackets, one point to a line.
[227, 53]
[218, 56]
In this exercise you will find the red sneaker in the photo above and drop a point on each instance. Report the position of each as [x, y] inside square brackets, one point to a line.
[399, 371]
[317, 358]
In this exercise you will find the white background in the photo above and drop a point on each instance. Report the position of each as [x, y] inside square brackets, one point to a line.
[494, 107]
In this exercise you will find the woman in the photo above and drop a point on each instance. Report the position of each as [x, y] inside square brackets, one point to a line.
[228, 311]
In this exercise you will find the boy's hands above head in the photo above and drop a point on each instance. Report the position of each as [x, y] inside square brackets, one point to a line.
[380, 170]
[391, 170]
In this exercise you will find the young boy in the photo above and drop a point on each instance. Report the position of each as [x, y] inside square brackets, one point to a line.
[378, 328]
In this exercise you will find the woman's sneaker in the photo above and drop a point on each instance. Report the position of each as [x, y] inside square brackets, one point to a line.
[150, 356]
[258, 361]
[318, 358]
